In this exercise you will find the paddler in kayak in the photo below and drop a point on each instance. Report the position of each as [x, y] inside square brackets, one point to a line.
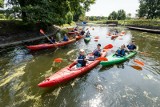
[52, 40]
[65, 38]
[88, 34]
[82, 32]
[97, 52]
[131, 46]
[116, 32]
[121, 52]
[81, 61]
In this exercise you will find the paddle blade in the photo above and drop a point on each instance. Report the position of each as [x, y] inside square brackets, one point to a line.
[102, 59]
[136, 67]
[139, 62]
[41, 31]
[145, 53]
[97, 37]
[109, 46]
[58, 60]
[105, 50]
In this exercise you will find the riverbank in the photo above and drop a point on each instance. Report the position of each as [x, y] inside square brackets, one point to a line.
[152, 26]
[16, 33]
[145, 29]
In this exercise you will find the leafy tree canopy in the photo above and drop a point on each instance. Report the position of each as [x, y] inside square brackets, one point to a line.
[120, 15]
[49, 11]
[113, 16]
[1, 3]
[149, 9]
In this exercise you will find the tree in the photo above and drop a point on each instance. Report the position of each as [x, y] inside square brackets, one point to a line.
[79, 7]
[1, 3]
[121, 15]
[149, 9]
[129, 16]
[112, 16]
[50, 11]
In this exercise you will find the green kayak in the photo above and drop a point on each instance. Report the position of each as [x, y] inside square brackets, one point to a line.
[87, 39]
[113, 59]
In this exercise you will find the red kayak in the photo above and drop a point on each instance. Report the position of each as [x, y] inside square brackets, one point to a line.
[48, 46]
[69, 73]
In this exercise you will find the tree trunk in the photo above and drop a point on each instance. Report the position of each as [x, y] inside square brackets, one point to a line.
[22, 4]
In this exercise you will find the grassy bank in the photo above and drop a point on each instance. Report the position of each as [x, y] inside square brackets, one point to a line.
[152, 24]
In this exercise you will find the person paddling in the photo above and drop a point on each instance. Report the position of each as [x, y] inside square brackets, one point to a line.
[65, 38]
[121, 52]
[97, 52]
[81, 61]
[52, 40]
[82, 32]
[131, 46]
[88, 34]
[58, 36]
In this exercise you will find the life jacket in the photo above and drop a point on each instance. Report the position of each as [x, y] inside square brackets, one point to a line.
[131, 47]
[53, 40]
[65, 38]
[121, 52]
[82, 32]
[97, 53]
[82, 61]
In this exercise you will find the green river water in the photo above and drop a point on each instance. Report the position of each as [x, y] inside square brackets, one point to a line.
[114, 86]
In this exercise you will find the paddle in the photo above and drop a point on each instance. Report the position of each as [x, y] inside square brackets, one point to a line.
[96, 37]
[138, 62]
[59, 60]
[136, 67]
[109, 46]
[102, 59]
[45, 35]
[144, 53]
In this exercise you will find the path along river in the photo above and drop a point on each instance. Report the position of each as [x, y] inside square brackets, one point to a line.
[115, 86]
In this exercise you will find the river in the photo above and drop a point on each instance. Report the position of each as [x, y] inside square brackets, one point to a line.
[114, 86]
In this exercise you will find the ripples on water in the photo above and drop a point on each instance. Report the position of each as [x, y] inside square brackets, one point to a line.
[114, 86]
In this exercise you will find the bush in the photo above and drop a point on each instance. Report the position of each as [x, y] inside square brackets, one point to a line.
[112, 22]
[2, 16]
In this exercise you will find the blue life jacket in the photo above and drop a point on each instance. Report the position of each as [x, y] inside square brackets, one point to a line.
[53, 40]
[82, 61]
[65, 38]
[121, 52]
[82, 32]
[97, 53]
[131, 47]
